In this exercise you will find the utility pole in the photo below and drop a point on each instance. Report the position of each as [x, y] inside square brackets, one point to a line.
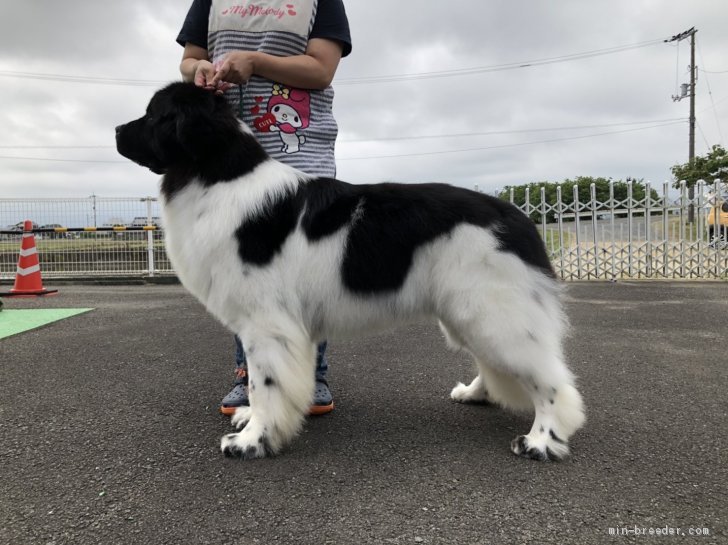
[693, 81]
[691, 89]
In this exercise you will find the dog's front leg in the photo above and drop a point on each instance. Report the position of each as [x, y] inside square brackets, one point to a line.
[281, 383]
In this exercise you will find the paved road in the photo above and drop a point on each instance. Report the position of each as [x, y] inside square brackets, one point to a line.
[109, 432]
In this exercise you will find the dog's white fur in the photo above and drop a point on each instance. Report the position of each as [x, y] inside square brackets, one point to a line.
[484, 299]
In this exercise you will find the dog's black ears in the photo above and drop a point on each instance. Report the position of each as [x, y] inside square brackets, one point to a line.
[206, 127]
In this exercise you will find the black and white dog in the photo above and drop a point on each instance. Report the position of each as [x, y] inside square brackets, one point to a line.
[286, 260]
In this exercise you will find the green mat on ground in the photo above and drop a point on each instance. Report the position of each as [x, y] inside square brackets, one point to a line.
[19, 320]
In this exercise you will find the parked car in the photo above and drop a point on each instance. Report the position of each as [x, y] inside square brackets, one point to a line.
[54, 235]
[17, 228]
[20, 225]
[140, 221]
[116, 225]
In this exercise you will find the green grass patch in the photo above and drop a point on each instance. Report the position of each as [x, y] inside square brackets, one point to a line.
[16, 321]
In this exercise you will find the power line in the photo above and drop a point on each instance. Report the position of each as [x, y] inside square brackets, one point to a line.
[722, 99]
[57, 147]
[710, 94]
[411, 137]
[83, 79]
[513, 131]
[668, 123]
[62, 160]
[700, 129]
[441, 152]
[501, 146]
[495, 68]
[349, 81]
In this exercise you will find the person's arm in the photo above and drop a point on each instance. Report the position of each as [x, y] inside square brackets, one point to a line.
[314, 69]
[196, 66]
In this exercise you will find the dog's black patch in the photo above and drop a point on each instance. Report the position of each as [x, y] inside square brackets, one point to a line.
[264, 442]
[551, 455]
[387, 222]
[556, 437]
[269, 381]
[250, 452]
[520, 447]
[329, 207]
[232, 451]
[262, 237]
[535, 454]
[390, 221]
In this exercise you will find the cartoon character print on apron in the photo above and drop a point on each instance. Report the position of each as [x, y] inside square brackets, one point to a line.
[295, 126]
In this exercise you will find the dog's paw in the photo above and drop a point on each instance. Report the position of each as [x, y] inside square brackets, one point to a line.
[241, 417]
[469, 394]
[246, 446]
[544, 448]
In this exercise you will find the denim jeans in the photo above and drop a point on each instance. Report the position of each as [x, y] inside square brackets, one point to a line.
[322, 366]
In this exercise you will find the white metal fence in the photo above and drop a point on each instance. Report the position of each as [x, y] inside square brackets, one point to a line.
[74, 254]
[648, 237]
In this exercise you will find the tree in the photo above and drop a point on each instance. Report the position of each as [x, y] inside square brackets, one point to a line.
[583, 183]
[713, 165]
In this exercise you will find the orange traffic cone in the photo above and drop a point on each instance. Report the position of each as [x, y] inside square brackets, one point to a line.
[28, 281]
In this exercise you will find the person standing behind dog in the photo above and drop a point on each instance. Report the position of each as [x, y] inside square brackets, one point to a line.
[274, 61]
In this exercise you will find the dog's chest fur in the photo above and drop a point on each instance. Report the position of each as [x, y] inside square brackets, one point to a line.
[202, 237]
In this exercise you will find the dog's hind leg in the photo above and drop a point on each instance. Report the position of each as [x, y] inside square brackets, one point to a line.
[475, 392]
[516, 341]
[493, 386]
[281, 385]
[489, 385]
[533, 379]
[559, 413]
[539, 368]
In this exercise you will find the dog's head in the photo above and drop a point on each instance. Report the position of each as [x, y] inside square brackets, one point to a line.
[184, 127]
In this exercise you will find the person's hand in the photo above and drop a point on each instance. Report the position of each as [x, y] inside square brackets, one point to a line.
[205, 76]
[236, 67]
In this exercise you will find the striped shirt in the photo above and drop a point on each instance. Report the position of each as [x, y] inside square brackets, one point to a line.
[295, 126]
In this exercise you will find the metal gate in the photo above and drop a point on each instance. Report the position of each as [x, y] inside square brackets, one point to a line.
[649, 237]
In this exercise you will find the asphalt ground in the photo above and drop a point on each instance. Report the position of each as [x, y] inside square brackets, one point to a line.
[109, 432]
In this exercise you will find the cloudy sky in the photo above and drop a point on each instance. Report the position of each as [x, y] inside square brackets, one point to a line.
[433, 91]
